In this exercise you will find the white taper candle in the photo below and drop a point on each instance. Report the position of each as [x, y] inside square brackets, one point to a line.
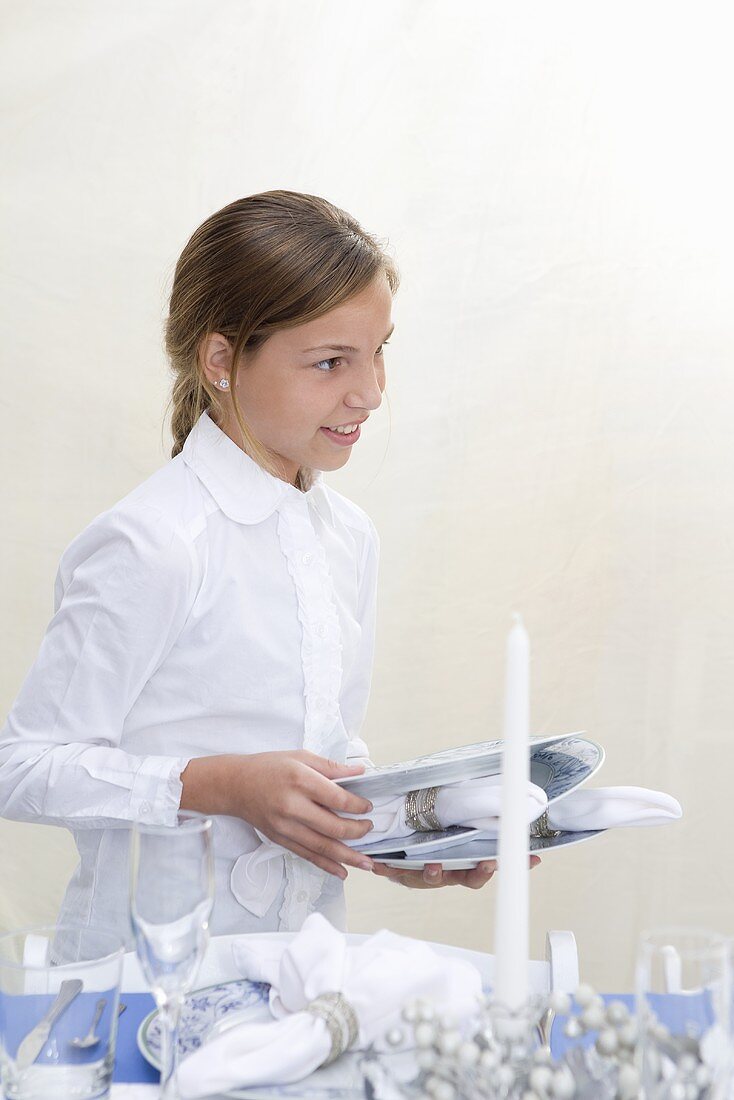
[511, 913]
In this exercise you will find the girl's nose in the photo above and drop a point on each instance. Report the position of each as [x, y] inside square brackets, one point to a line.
[368, 393]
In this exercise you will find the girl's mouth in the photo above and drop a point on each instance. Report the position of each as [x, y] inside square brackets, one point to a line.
[343, 438]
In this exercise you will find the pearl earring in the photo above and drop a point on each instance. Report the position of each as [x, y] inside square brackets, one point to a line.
[224, 383]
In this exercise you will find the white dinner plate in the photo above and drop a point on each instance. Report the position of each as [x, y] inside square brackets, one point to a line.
[419, 842]
[558, 769]
[463, 857]
[439, 768]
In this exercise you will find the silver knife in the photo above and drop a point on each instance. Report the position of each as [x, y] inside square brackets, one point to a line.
[37, 1038]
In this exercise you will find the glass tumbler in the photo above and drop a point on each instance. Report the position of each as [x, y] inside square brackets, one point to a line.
[683, 1000]
[59, 997]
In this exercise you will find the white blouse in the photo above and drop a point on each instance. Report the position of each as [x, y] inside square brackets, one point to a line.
[215, 609]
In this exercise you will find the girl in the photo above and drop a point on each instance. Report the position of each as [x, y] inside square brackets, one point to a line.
[212, 641]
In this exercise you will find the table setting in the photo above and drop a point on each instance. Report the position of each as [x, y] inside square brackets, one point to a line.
[319, 1013]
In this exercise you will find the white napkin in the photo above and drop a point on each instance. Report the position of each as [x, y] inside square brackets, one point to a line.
[475, 803]
[256, 877]
[376, 978]
[612, 808]
[597, 808]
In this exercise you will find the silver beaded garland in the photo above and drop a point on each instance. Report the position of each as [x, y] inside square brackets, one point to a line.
[456, 1062]
[395, 1037]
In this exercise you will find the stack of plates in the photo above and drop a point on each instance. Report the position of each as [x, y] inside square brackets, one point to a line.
[558, 763]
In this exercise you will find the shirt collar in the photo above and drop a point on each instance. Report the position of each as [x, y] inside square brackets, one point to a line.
[241, 487]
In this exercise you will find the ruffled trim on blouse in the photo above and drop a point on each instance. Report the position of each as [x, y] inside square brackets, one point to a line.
[321, 647]
[321, 654]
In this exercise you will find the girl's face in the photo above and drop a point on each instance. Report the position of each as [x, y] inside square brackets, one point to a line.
[309, 380]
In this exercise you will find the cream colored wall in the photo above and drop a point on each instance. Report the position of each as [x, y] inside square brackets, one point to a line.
[555, 183]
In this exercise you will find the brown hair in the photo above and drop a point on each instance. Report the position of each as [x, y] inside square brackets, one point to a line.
[263, 263]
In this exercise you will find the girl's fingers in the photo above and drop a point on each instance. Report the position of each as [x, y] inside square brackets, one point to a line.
[476, 877]
[433, 875]
[325, 848]
[405, 878]
[336, 798]
[387, 872]
[328, 865]
[340, 828]
[330, 768]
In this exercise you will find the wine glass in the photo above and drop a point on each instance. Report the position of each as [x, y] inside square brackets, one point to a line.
[171, 899]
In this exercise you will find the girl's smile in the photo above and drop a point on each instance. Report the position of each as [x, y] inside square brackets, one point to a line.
[344, 436]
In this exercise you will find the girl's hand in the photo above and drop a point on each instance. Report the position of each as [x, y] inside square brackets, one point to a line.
[289, 797]
[433, 875]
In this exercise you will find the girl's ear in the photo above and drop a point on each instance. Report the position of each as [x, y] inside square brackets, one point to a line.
[215, 356]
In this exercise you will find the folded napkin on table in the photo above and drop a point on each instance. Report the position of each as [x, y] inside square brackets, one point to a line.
[375, 979]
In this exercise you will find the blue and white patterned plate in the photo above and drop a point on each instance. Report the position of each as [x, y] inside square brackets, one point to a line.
[439, 768]
[205, 1008]
[202, 1010]
[558, 769]
[562, 768]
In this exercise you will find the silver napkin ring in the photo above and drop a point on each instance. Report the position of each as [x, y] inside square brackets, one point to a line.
[420, 810]
[340, 1019]
[540, 828]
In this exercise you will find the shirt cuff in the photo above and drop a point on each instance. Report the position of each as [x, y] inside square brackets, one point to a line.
[157, 788]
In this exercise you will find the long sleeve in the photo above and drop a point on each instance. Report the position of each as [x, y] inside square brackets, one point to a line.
[356, 697]
[123, 591]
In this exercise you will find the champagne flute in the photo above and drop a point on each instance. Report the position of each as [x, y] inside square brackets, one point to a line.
[171, 899]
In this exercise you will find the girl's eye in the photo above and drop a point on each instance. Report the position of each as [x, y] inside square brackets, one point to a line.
[328, 368]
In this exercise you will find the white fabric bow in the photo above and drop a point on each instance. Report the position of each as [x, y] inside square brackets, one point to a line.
[256, 877]
[375, 977]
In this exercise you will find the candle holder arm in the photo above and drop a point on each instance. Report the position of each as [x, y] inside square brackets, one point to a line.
[562, 957]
